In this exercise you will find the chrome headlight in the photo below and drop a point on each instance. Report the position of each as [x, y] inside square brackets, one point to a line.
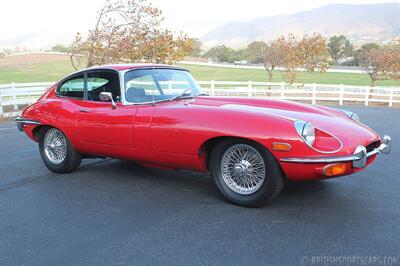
[306, 130]
[351, 115]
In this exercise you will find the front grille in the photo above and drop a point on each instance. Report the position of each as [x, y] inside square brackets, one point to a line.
[373, 145]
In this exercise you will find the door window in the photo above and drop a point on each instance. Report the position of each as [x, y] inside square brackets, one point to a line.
[102, 81]
[73, 87]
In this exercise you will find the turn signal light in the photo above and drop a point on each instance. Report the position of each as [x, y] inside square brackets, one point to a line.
[335, 169]
[281, 146]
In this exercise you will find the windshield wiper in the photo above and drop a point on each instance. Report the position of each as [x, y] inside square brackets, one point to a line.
[184, 94]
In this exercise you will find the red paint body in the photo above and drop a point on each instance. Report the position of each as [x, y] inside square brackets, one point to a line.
[176, 134]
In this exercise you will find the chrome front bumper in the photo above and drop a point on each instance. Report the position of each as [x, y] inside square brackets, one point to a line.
[21, 122]
[359, 157]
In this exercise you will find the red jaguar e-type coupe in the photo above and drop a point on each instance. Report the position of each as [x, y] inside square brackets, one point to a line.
[158, 116]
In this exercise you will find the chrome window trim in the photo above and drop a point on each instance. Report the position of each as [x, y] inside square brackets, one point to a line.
[83, 72]
[122, 84]
[94, 68]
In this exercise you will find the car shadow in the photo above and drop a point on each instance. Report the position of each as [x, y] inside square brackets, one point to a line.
[301, 189]
[172, 180]
[315, 202]
[201, 184]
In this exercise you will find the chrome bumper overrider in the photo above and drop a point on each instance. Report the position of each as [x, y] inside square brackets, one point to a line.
[21, 122]
[359, 157]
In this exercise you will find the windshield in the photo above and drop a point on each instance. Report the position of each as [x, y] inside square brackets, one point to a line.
[148, 85]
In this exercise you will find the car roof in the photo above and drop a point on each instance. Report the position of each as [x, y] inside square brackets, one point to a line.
[122, 67]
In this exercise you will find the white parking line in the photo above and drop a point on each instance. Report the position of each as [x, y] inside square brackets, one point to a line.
[8, 128]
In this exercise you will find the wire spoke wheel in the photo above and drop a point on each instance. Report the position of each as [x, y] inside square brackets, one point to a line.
[55, 146]
[243, 169]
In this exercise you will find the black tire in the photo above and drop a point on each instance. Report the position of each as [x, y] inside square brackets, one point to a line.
[271, 187]
[72, 158]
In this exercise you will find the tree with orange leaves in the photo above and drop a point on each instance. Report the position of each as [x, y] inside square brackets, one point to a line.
[381, 63]
[309, 53]
[273, 56]
[128, 31]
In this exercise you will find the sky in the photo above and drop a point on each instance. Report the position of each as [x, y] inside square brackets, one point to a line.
[196, 17]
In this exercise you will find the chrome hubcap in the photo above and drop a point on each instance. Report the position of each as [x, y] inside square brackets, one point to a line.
[243, 169]
[55, 146]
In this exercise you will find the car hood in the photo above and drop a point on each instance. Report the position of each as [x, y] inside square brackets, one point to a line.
[327, 119]
[285, 109]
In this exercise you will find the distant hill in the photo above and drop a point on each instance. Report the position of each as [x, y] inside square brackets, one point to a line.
[40, 40]
[361, 23]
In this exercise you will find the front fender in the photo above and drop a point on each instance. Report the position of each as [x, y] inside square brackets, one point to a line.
[184, 129]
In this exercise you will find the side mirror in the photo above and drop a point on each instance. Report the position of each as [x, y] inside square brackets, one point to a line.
[107, 97]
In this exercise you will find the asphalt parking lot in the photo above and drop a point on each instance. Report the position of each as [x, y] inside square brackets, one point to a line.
[111, 212]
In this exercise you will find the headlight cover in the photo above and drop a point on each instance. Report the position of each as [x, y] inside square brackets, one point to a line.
[351, 115]
[306, 130]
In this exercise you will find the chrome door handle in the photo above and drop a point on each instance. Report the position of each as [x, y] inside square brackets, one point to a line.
[83, 111]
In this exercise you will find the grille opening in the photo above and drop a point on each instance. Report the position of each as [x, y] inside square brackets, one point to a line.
[373, 145]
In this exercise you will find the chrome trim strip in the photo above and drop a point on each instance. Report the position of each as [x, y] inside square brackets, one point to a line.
[375, 151]
[358, 158]
[27, 121]
[320, 159]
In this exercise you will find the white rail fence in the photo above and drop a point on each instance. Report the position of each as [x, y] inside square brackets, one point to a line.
[15, 96]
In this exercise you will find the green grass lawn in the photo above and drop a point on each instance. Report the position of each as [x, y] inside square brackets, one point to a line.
[232, 74]
[52, 71]
[49, 71]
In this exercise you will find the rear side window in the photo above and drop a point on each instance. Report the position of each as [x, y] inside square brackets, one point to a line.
[72, 87]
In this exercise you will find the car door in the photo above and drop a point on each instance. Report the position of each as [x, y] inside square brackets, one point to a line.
[99, 122]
